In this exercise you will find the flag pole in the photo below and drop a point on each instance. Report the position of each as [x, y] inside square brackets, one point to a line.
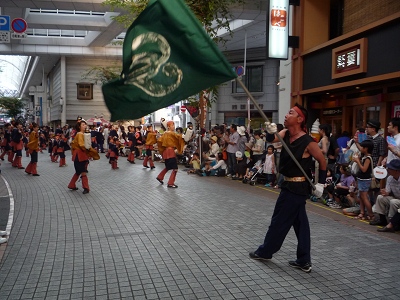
[278, 135]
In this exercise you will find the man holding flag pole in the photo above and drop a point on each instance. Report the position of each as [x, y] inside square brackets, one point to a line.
[167, 57]
[296, 161]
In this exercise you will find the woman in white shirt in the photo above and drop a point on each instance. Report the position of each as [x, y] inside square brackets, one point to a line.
[258, 148]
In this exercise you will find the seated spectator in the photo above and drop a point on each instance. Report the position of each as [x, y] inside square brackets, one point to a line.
[339, 191]
[217, 167]
[245, 162]
[213, 150]
[328, 185]
[354, 209]
[393, 225]
[195, 163]
[388, 202]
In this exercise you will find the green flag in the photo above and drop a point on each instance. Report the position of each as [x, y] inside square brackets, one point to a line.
[167, 57]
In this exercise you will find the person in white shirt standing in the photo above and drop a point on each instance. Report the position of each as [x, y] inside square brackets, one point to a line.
[258, 148]
[232, 142]
[394, 151]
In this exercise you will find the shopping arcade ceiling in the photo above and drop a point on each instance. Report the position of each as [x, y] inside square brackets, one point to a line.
[85, 28]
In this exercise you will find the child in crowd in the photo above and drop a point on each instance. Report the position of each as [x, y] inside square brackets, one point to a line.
[363, 176]
[215, 167]
[269, 166]
[195, 163]
[342, 189]
[329, 177]
[327, 185]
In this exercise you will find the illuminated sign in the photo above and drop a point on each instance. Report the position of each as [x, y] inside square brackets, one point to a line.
[349, 59]
[335, 111]
[278, 29]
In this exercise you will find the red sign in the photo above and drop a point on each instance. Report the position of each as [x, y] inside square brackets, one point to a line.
[19, 25]
[183, 108]
[278, 17]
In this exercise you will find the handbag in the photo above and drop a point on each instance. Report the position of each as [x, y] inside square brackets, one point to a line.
[375, 184]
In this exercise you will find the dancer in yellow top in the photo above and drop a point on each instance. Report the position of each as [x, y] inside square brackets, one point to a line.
[33, 146]
[167, 144]
[81, 153]
[151, 139]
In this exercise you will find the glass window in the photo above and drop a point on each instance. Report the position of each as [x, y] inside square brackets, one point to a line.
[252, 80]
[373, 112]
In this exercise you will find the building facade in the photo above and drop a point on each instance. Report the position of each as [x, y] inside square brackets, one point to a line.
[346, 69]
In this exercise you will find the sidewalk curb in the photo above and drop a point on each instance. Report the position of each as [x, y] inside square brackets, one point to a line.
[10, 217]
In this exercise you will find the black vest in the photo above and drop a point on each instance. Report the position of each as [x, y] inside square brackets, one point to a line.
[288, 168]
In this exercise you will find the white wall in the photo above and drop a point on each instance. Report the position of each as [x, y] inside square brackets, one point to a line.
[268, 98]
[76, 68]
[285, 79]
[55, 90]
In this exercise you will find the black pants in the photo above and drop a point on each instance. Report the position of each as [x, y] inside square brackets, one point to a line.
[290, 210]
[34, 157]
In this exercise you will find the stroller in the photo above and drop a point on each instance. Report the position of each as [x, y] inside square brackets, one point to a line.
[255, 174]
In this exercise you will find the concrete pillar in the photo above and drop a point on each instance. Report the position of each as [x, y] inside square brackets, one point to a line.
[63, 91]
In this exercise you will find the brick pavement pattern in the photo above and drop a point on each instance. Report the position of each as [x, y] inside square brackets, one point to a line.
[132, 238]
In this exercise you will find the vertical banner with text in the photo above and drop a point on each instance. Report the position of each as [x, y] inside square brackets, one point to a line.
[278, 29]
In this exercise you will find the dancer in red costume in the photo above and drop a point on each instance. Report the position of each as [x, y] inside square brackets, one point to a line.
[80, 156]
[151, 139]
[33, 148]
[17, 136]
[167, 144]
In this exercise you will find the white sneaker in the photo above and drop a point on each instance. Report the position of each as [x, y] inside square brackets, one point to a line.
[229, 175]
[3, 232]
[3, 240]
[335, 205]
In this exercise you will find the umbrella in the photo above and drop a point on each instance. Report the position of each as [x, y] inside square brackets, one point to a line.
[95, 121]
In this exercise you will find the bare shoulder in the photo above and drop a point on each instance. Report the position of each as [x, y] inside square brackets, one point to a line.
[283, 132]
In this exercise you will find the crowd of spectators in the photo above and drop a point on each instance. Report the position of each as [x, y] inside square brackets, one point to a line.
[353, 186]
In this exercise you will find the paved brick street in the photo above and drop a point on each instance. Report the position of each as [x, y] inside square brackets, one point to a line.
[133, 238]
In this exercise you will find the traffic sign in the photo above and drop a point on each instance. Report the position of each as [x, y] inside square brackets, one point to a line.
[18, 36]
[239, 70]
[4, 23]
[19, 25]
[4, 37]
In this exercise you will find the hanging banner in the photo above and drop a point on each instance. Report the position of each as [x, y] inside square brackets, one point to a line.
[278, 29]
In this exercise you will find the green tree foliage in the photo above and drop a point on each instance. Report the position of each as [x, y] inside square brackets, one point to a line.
[102, 74]
[213, 14]
[12, 106]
